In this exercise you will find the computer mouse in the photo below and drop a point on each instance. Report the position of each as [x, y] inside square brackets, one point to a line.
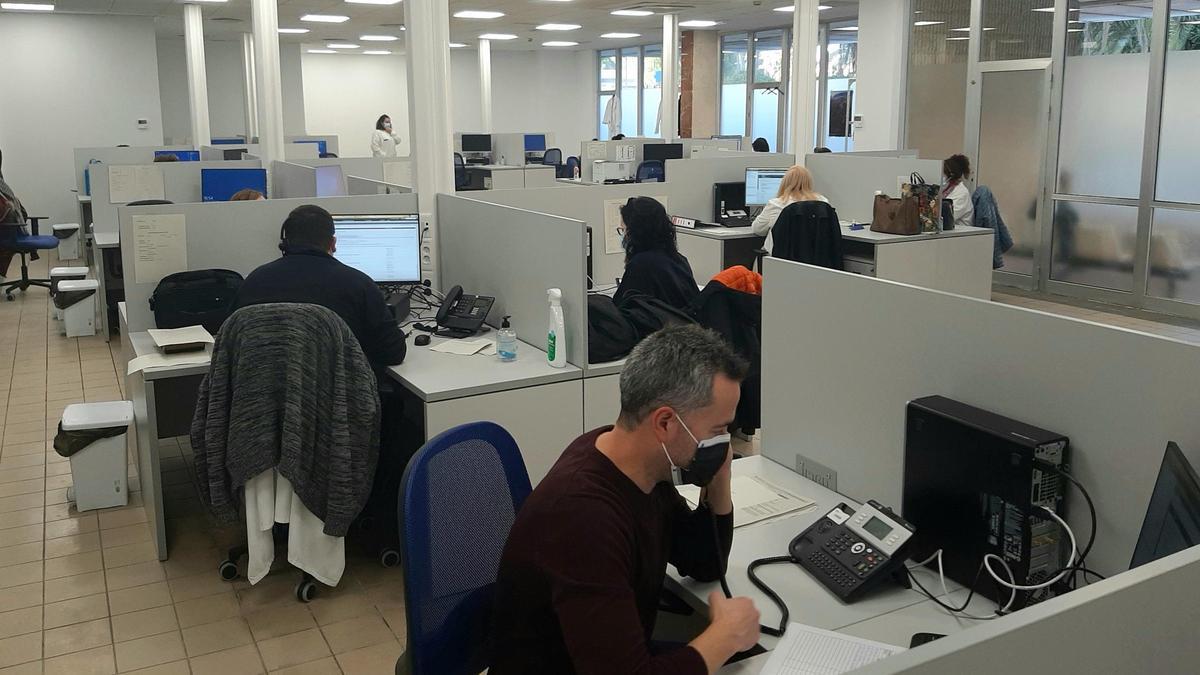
[421, 340]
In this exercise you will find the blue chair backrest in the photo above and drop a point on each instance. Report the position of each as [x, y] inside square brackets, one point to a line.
[651, 171]
[459, 498]
[553, 156]
[568, 170]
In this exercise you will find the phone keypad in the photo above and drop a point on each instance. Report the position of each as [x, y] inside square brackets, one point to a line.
[832, 569]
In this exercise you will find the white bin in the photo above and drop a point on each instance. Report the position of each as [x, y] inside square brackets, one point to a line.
[68, 241]
[78, 306]
[58, 274]
[99, 471]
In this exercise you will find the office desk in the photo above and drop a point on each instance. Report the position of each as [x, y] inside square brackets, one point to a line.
[83, 204]
[602, 393]
[710, 250]
[495, 177]
[108, 260]
[540, 175]
[957, 261]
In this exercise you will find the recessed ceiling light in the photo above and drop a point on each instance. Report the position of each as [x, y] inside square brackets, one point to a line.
[631, 12]
[559, 26]
[952, 39]
[373, 2]
[559, 43]
[1080, 30]
[497, 36]
[968, 30]
[28, 6]
[477, 14]
[697, 23]
[820, 8]
[210, 0]
[848, 28]
[296, 31]
[321, 51]
[930, 23]
[620, 36]
[1051, 9]
[378, 38]
[341, 45]
[457, 45]
[377, 52]
[325, 18]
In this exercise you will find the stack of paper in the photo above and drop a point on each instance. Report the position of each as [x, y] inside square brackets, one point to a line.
[466, 347]
[754, 499]
[173, 340]
[805, 650]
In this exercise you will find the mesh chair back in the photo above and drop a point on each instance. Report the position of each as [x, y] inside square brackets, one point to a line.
[651, 171]
[459, 499]
[552, 157]
[572, 165]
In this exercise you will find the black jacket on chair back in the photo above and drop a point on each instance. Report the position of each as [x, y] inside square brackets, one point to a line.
[737, 316]
[809, 232]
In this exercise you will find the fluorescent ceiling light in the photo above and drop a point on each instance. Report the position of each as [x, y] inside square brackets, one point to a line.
[930, 23]
[620, 36]
[373, 2]
[28, 6]
[820, 8]
[559, 26]
[325, 18]
[377, 52]
[1051, 9]
[957, 38]
[559, 43]
[378, 38]
[497, 36]
[477, 14]
[341, 45]
[1074, 30]
[697, 23]
[321, 51]
[968, 30]
[296, 31]
[210, 0]
[848, 28]
[631, 12]
[457, 45]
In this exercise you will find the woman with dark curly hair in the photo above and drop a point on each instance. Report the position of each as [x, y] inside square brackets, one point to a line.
[653, 264]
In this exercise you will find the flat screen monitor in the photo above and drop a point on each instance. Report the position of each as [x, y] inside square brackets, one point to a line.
[330, 181]
[476, 143]
[218, 185]
[322, 146]
[234, 154]
[181, 155]
[762, 185]
[386, 248]
[228, 141]
[535, 142]
[662, 151]
[1172, 520]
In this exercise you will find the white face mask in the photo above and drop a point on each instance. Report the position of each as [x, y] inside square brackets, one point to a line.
[387, 126]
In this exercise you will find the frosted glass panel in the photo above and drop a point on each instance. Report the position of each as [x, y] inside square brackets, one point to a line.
[1175, 255]
[1179, 144]
[608, 71]
[766, 116]
[1011, 129]
[937, 78]
[1094, 244]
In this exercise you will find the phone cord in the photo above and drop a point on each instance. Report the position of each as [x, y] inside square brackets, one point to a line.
[783, 609]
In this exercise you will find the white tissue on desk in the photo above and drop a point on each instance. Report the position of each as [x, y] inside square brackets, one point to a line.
[466, 347]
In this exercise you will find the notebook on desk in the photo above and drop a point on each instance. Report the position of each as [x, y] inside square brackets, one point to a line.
[805, 650]
[754, 499]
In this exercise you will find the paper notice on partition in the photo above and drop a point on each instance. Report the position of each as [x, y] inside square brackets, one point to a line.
[595, 150]
[159, 246]
[135, 183]
[626, 153]
[612, 221]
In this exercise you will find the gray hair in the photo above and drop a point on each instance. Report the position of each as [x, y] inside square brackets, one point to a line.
[675, 367]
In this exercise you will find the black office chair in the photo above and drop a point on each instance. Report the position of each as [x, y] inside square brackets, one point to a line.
[569, 169]
[460, 172]
[553, 157]
[808, 232]
[651, 171]
[328, 155]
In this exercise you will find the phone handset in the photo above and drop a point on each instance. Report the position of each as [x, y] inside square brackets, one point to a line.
[451, 298]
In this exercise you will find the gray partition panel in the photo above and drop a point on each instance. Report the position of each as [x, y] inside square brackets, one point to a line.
[238, 236]
[331, 141]
[515, 255]
[842, 354]
[364, 167]
[356, 185]
[112, 155]
[850, 181]
[691, 180]
[293, 181]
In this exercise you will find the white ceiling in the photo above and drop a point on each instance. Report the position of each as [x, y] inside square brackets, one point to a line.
[227, 20]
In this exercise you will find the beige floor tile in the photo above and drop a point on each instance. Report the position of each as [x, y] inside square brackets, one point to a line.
[74, 564]
[239, 661]
[78, 586]
[56, 496]
[351, 634]
[278, 621]
[20, 621]
[144, 623]
[20, 502]
[377, 659]
[294, 649]
[139, 598]
[22, 517]
[346, 605]
[149, 651]
[58, 482]
[173, 668]
[325, 666]
[98, 661]
[113, 519]
[9, 475]
[75, 610]
[20, 597]
[73, 544]
[217, 636]
[17, 461]
[130, 534]
[58, 469]
[26, 534]
[76, 638]
[22, 487]
[138, 574]
[20, 649]
[19, 575]
[209, 609]
[198, 586]
[72, 526]
[31, 668]
[393, 615]
[129, 554]
[22, 553]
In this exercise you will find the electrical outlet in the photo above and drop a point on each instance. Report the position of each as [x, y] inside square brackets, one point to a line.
[816, 472]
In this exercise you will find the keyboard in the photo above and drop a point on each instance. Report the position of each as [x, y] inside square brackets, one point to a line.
[736, 222]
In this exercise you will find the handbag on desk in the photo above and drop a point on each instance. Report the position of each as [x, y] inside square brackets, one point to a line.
[893, 215]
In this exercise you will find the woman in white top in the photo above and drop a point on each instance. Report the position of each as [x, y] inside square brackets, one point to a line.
[957, 169]
[796, 186]
[383, 141]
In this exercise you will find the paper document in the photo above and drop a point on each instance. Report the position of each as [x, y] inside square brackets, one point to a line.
[159, 246]
[135, 183]
[626, 153]
[754, 499]
[805, 650]
[156, 360]
[595, 150]
[464, 347]
[169, 337]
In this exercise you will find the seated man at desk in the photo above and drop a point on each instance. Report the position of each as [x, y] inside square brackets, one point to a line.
[579, 580]
[653, 264]
[308, 272]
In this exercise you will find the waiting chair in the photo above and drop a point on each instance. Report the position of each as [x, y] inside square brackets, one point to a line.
[460, 172]
[28, 245]
[460, 496]
[651, 171]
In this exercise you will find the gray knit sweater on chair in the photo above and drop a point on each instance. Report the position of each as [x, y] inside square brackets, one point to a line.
[289, 388]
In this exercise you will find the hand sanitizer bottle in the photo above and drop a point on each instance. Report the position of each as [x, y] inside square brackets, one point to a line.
[556, 336]
[506, 341]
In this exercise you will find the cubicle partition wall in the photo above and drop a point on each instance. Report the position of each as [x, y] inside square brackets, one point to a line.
[357, 186]
[850, 181]
[515, 255]
[627, 150]
[509, 148]
[111, 155]
[842, 354]
[293, 181]
[363, 167]
[691, 180]
[331, 141]
[702, 147]
[398, 171]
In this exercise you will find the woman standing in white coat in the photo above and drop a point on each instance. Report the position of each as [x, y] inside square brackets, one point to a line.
[383, 140]
[957, 169]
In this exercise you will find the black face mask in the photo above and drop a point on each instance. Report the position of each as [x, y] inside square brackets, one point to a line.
[709, 458]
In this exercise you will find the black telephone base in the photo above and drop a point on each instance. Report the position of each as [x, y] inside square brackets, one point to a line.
[454, 333]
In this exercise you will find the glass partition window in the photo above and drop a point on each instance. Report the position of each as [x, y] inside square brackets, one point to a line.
[1016, 29]
[634, 76]
[733, 84]
[630, 89]
[840, 86]
[652, 74]
[1178, 142]
[1175, 255]
[608, 89]
[1094, 244]
[754, 76]
[936, 100]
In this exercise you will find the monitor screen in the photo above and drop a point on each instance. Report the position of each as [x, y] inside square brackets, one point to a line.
[181, 155]
[1172, 520]
[330, 181]
[218, 185]
[535, 142]
[233, 155]
[762, 185]
[386, 248]
[476, 143]
[322, 146]
[662, 151]
[228, 141]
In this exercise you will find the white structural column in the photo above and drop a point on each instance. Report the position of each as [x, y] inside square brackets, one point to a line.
[879, 92]
[802, 104]
[265, 15]
[670, 70]
[485, 84]
[193, 38]
[428, 38]
[250, 80]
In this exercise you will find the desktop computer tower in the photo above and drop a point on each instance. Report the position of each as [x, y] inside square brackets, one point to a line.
[971, 487]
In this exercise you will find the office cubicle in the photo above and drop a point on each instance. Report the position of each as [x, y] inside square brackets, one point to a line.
[85, 157]
[850, 180]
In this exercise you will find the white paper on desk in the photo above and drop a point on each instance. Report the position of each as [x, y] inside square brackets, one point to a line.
[167, 337]
[754, 499]
[159, 246]
[462, 347]
[805, 650]
[612, 221]
[155, 360]
[134, 183]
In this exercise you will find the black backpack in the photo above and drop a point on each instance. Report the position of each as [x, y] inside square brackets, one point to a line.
[610, 335]
[203, 297]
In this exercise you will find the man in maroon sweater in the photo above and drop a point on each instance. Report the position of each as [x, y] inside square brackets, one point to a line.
[579, 581]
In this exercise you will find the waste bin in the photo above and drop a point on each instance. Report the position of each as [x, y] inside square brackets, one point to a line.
[68, 240]
[77, 300]
[58, 274]
[92, 435]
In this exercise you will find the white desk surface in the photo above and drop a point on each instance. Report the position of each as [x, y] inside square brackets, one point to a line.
[142, 344]
[106, 239]
[606, 368]
[572, 181]
[495, 167]
[868, 236]
[717, 232]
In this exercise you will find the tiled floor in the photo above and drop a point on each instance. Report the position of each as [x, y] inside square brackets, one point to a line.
[82, 593]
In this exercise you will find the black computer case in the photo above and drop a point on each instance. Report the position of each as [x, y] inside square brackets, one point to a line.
[971, 488]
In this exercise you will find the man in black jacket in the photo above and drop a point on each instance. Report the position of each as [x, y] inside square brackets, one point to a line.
[308, 272]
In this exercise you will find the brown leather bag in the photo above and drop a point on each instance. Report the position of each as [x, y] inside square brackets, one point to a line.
[896, 216]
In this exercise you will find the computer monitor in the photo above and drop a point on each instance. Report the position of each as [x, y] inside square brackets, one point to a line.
[330, 181]
[228, 141]
[1172, 520]
[322, 146]
[218, 185]
[535, 142]
[762, 185]
[181, 155]
[476, 143]
[234, 154]
[386, 248]
[662, 151]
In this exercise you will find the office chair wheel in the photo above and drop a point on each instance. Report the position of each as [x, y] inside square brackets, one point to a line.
[389, 557]
[228, 570]
[306, 590]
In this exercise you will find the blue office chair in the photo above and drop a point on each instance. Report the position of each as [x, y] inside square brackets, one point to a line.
[570, 167]
[26, 245]
[459, 498]
[651, 171]
[328, 155]
[553, 157]
[460, 172]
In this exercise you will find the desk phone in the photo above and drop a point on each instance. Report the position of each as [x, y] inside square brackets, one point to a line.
[850, 552]
[462, 315]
